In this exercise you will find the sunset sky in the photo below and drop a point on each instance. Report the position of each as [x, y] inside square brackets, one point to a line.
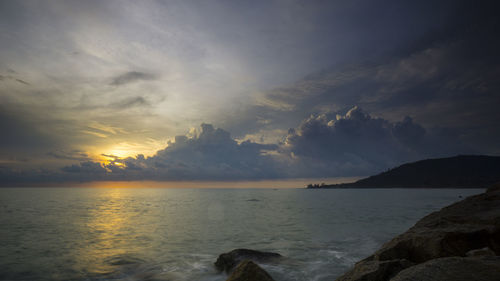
[242, 90]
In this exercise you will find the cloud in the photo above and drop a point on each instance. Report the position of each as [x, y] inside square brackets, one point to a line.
[355, 143]
[451, 84]
[408, 132]
[130, 102]
[22, 130]
[210, 154]
[330, 144]
[12, 78]
[70, 155]
[444, 74]
[444, 78]
[133, 102]
[132, 76]
[88, 167]
[22, 82]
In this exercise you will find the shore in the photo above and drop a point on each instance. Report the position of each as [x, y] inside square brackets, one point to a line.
[459, 242]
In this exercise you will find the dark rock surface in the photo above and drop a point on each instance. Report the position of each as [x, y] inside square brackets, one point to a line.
[227, 261]
[453, 268]
[473, 223]
[376, 270]
[480, 252]
[249, 271]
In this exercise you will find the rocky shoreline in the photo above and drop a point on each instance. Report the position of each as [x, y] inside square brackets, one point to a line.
[459, 242]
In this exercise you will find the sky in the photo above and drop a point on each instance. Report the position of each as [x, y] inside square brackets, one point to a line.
[242, 90]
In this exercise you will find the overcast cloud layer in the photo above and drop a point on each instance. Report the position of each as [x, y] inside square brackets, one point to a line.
[87, 87]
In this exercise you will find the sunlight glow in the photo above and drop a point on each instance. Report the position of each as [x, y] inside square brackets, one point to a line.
[128, 149]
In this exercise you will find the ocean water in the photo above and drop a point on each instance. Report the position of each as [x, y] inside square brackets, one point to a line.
[177, 234]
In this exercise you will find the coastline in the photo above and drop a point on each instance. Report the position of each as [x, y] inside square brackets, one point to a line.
[458, 242]
[462, 171]
[398, 187]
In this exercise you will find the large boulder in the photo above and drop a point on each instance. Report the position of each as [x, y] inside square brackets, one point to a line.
[369, 270]
[227, 261]
[453, 269]
[473, 223]
[249, 271]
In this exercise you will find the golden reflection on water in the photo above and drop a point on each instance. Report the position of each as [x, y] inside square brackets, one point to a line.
[107, 229]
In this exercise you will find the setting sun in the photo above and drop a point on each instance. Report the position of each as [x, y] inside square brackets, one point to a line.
[127, 149]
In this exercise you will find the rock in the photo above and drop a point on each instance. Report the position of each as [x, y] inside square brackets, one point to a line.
[453, 269]
[368, 270]
[495, 187]
[480, 252]
[227, 261]
[470, 224]
[249, 271]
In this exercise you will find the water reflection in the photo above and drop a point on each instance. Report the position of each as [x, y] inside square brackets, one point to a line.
[176, 234]
[111, 243]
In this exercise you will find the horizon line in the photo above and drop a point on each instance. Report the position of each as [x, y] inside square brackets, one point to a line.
[266, 183]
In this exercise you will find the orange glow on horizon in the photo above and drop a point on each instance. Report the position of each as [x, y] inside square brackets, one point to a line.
[282, 183]
[122, 150]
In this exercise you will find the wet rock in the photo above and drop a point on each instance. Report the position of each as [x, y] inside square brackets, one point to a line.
[368, 270]
[249, 271]
[473, 223]
[453, 269]
[227, 261]
[480, 252]
[470, 224]
[495, 187]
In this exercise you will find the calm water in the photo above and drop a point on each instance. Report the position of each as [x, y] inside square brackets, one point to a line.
[177, 234]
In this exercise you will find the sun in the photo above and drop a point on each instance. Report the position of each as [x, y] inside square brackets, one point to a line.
[124, 150]
[121, 153]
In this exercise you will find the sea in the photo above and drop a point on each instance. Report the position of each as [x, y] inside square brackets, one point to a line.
[178, 233]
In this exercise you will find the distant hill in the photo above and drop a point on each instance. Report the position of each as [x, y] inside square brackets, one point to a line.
[463, 171]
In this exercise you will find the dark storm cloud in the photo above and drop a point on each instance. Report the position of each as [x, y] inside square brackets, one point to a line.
[449, 83]
[358, 144]
[132, 76]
